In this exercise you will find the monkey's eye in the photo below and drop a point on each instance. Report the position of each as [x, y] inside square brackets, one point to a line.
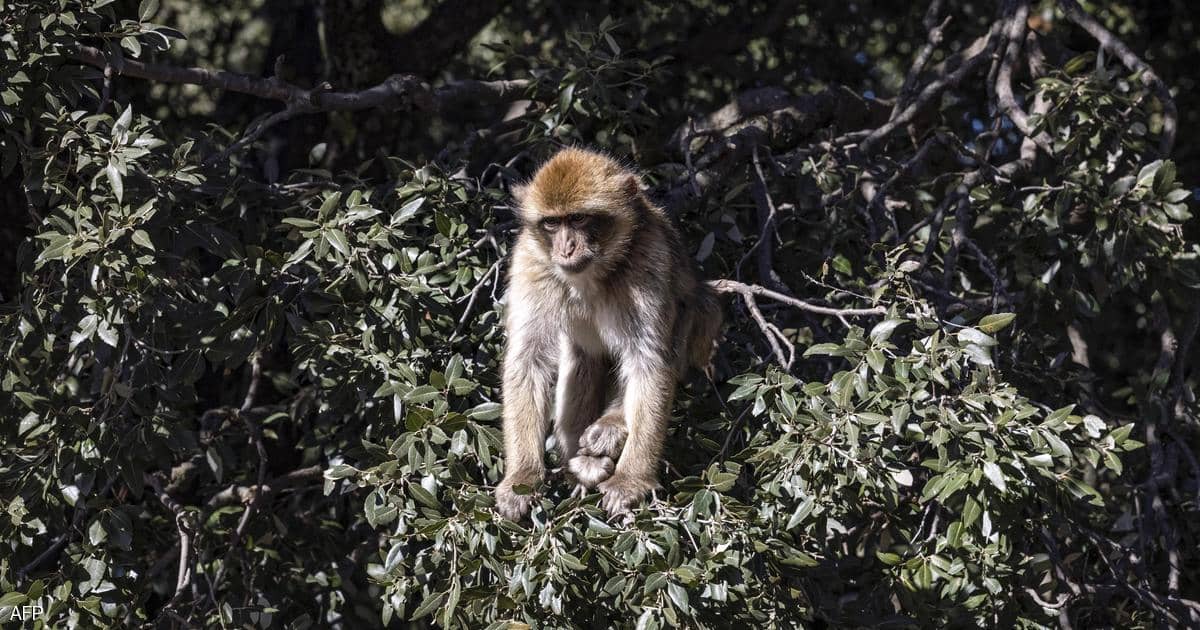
[550, 224]
[578, 220]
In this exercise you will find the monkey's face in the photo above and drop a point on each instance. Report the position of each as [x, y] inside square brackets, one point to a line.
[574, 241]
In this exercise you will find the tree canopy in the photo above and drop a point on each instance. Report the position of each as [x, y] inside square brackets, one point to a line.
[257, 252]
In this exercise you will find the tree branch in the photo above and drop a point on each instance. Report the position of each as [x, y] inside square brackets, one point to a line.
[399, 91]
[1014, 31]
[933, 90]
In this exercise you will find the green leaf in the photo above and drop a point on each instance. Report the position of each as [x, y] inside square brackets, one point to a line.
[337, 239]
[485, 411]
[114, 179]
[407, 211]
[1146, 175]
[884, 329]
[889, 559]
[121, 126]
[822, 348]
[431, 603]
[143, 239]
[1113, 462]
[147, 9]
[679, 596]
[442, 222]
[971, 511]
[654, 582]
[340, 471]
[301, 223]
[996, 322]
[329, 204]
[1164, 178]
[994, 475]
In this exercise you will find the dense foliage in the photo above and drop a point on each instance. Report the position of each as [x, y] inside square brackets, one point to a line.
[251, 335]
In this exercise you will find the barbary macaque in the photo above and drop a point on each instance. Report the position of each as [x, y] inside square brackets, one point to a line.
[602, 302]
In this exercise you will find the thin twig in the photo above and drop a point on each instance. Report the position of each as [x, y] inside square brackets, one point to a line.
[183, 576]
[493, 271]
[763, 248]
[741, 288]
[255, 432]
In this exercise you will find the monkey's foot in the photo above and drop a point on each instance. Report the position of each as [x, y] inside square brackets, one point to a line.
[623, 492]
[590, 470]
[605, 436]
[511, 505]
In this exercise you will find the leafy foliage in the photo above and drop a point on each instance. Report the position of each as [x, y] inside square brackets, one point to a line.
[289, 383]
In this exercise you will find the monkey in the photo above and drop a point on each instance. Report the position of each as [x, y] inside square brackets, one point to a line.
[601, 302]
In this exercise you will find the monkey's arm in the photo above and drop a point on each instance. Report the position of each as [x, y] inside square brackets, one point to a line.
[649, 390]
[528, 383]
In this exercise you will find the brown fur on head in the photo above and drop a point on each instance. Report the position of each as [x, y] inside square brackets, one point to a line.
[581, 207]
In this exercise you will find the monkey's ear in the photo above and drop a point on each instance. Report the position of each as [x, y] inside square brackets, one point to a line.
[632, 186]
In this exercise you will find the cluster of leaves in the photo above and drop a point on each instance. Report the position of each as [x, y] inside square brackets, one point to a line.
[292, 386]
[912, 470]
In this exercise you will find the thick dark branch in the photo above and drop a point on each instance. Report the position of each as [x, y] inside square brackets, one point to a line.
[1109, 42]
[398, 91]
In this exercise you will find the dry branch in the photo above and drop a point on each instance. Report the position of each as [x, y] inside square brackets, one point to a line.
[741, 288]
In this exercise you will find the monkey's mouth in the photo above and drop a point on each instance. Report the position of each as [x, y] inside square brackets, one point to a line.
[575, 264]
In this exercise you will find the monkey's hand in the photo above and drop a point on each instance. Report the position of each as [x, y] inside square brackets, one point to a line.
[511, 505]
[622, 492]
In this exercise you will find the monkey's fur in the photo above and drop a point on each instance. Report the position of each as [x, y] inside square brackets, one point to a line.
[601, 298]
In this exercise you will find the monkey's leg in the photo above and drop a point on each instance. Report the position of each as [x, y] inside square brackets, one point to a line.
[528, 382]
[578, 400]
[649, 390]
